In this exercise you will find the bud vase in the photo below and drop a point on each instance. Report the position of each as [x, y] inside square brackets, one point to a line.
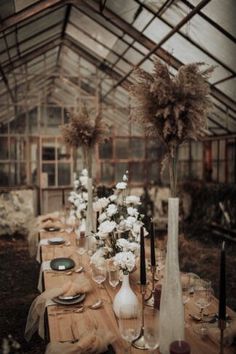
[125, 298]
[171, 306]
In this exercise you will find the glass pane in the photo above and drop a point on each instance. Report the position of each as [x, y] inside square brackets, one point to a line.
[48, 149]
[3, 148]
[137, 148]
[107, 172]
[33, 121]
[154, 150]
[3, 128]
[34, 178]
[49, 170]
[53, 117]
[63, 152]
[4, 174]
[18, 125]
[106, 150]
[196, 151]
[221, 172]
[214, 150]
[197, 170]
[120, 169]
[137, 172]
[184, 152]
[122, 148]
[64, 176]
[214, 171]
[222, 150]
[153, 172]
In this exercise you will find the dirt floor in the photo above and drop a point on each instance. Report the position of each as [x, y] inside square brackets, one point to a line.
[19, 275]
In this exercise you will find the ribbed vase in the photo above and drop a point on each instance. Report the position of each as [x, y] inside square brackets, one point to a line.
[171, 306]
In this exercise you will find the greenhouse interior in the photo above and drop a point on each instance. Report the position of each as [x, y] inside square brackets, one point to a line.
[117, 176]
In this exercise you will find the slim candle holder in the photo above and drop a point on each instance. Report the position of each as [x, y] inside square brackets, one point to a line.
[149, 301]
[140, 342]
[222, 326]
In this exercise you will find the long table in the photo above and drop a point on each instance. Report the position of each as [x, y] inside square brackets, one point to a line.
[59, 323]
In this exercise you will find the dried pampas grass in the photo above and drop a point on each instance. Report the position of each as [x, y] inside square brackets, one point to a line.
[82, 130]
[174, 109]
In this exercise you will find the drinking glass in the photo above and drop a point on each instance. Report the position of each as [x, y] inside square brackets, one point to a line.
[99, 274]
[185, 283]
[129, 325]
[81, 243]
[151, 328]
[113, 275]
[203, 294]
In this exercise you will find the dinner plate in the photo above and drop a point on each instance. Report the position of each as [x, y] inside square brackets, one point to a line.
[56, 240]
[52, 228]
[74, 301]
[69, 298]
[62, 263]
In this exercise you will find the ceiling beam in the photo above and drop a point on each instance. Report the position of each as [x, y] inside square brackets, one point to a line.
[5, 80]
[30, 11]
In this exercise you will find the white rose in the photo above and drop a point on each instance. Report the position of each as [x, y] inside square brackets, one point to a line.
[84, 172]
[84, 181]
[102, 217]
[111, 209]
[106, 227]
[76, 183]
[132, 199]
[112, 197]
[132, 212]
[123, 244]
[121, 185]
[125, 260]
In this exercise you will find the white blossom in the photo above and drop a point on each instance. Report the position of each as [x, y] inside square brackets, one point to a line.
[76, 183]
[121, 185]
[84, 181]
[102, 217]
[84, 172]
[111, 209]
[100, 204]
[112, 197]
[132, 212]
[125, 261]
[106, 227]
[132, 199]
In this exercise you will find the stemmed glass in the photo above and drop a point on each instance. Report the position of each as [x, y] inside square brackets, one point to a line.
[99, 274]
[203, 294]
[151, 332]
[81, 244]
[130, 323]
[113, 275]
[185, 283]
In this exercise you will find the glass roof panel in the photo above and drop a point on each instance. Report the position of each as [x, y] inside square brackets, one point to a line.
[223, 13]
[156, 30]
[142, 20]
[96, 31]
[88, 42]
[124, 9]
[21, 4]
[133, 56]
[39, 39]
[188, 53]
[229, 88]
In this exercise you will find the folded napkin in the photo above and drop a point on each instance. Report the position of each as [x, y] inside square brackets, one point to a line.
[35, 319]
[91, 341]
[229, 334]
[41, 242]
[44, 266]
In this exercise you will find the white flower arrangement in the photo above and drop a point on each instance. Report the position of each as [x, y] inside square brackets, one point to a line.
[78, 198]
[119, 227]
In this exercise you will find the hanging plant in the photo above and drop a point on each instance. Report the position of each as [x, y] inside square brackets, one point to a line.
[174, 109]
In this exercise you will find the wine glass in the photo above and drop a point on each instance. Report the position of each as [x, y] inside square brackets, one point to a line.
[151, 332]
[99, 274]
[81, 244]
[113, 275]
[185, 283]
[130, 323]
[203, 294]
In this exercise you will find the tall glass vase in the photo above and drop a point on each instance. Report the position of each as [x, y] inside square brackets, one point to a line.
[171, 306]
[90, 220]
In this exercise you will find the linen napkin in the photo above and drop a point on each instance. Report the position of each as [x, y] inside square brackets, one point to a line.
[229, 334]
[93, 341]
[41, 242]
[35, 319]
[44, 266]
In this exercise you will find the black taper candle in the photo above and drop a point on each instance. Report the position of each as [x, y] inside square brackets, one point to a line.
[152, 245]
[142, 259]
[222, 286]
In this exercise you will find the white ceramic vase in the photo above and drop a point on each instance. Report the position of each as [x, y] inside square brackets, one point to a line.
[124, 298]
[171, 306]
